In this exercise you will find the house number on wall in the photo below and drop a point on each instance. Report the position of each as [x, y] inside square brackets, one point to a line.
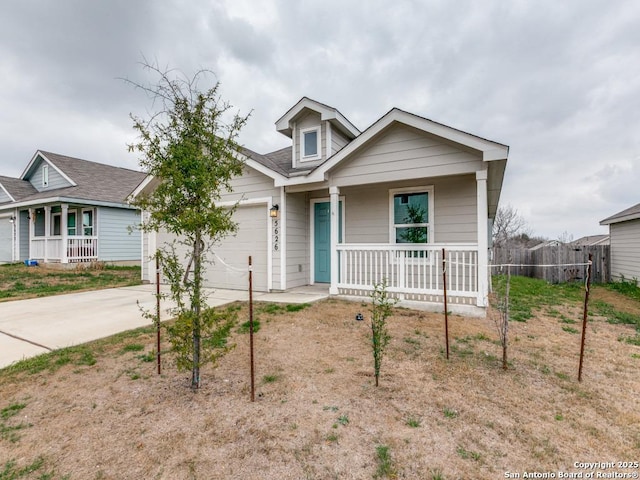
[276, 236]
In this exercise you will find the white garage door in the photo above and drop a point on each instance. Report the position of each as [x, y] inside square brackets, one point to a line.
[230, 256]
[233, 252]
[6, 241]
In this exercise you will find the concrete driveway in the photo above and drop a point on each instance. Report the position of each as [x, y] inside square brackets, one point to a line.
[38, 325]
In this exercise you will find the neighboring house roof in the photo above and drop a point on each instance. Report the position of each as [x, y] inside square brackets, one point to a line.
[631, 213]
[94, 182]
[546, 243]
[17, 188]
[591, 240]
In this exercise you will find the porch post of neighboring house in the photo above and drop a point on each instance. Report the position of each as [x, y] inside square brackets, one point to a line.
[47, 232]
[63, 232]
[334, 193]
[483, 238]
[32, 230]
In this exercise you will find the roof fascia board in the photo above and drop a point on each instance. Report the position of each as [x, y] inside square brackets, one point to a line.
[490, 150]
[141, 187]
[42, 201]
[247, 161]
[7, 192]
[326, 114]
[624, 218]
[44, 157]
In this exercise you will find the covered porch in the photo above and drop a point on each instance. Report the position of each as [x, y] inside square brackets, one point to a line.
[61, 233]
[411, 272]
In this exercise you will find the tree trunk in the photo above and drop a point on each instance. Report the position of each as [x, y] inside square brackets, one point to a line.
[195, 308]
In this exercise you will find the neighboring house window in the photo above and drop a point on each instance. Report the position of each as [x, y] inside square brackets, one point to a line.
[87, 223]
[310, 143]
[45, 175]
[38, 228]
[71, 223]
[411, 212]
[56, 224]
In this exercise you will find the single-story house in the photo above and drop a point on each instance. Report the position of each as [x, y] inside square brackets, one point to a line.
[67, 210]
[349, 208]
[624, 232]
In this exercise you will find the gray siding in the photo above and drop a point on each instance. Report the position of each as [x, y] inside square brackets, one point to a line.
[297, 240]
[310, 120]
[115, 241]
[4, 198]
[338, 140]
[403, 152]
[251, 184]
[625, 250]
[24, 235]
[55, 179]
[454, 221]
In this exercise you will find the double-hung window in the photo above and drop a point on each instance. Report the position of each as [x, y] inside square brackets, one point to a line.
[411, 212]
[87, 223]
[310, 144]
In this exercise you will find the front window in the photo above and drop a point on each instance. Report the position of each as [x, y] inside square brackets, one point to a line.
[411, 217]
[87, 223]
[71, 224]
[310, 143]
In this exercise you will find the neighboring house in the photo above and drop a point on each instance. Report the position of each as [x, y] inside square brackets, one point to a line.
[546, 243]
[348, 208]
[624, 230]
[65, 209]
[591, 241]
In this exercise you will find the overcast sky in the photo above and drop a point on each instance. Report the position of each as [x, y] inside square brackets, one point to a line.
[557, 81]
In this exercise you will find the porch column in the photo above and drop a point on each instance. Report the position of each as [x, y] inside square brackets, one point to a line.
[31, 220]
[483, 238]
[334, 193]
[47, 231]
[63, 233]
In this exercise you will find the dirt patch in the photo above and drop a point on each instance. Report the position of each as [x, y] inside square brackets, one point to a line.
[621, 302]
[319, 415]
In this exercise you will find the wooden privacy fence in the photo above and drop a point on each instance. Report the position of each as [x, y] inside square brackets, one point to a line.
[568, 263]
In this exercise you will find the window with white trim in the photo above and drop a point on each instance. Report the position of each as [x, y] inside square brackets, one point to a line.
[310, 144]
[87, 223]
[71, 223]
[411, 212]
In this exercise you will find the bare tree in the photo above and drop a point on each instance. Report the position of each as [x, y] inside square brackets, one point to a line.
[507, 225]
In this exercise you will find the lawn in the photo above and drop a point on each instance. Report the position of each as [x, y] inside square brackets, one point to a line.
[18, 281]
[99, 411]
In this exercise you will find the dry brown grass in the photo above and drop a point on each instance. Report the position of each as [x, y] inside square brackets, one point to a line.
[465, 418]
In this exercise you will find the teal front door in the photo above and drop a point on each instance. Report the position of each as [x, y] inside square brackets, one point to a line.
[322, 240]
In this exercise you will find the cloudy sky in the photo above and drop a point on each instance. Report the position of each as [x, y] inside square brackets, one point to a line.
[559, 82]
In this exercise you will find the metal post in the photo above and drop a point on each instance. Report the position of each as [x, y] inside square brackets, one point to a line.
[446, 313]
[584, 316]
[253, 390]
[158, 313]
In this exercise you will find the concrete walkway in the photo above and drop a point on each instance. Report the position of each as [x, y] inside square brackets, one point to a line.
[35, 326]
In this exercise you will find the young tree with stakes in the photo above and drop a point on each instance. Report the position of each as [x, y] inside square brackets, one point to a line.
[190, 145]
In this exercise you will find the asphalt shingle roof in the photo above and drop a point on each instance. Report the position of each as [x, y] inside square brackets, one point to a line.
[94, 181]
[631, 213]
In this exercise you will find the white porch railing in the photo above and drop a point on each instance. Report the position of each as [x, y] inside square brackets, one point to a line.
[411, 271]
[79, 249]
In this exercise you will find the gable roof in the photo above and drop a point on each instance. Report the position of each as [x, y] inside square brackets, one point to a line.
[590, 240]
[631, 213]
[339, 121]
[92, 182]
